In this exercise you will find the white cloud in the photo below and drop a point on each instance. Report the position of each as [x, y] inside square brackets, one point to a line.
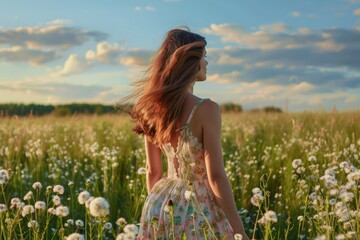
[60, 22]
[295, 14]
[277, 27]
[49, 36]
[74, 64]
[149, 8]
[32, 56]
[329, 46]
[224, 78]
[357, 12]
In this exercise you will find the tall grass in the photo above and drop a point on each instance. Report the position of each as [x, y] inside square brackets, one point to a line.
[294, 175]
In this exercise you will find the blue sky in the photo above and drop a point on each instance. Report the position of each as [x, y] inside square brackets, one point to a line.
[260, 53]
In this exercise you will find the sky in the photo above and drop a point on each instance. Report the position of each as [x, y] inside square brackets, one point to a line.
[295, 55]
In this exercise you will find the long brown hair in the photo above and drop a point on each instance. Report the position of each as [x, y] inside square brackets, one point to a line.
[162, 90]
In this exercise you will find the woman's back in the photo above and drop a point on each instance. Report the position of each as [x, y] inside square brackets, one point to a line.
[182, 202]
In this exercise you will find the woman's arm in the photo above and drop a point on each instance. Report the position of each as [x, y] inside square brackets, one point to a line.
[153, 164]
[215, 167]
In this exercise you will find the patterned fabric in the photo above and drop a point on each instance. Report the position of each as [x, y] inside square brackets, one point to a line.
[182, 204]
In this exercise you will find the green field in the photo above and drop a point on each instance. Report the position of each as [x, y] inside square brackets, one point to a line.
[302, 166]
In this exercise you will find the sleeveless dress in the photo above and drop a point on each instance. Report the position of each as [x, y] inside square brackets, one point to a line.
[182, 204]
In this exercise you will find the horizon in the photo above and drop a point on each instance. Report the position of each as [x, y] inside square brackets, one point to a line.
[302, 55]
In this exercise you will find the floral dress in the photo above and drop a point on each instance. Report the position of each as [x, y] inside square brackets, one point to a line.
[182, 204]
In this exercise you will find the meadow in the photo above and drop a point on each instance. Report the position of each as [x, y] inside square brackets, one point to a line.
[294, 175]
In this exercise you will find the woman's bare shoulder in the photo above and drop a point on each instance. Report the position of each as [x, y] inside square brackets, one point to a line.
[209, 109]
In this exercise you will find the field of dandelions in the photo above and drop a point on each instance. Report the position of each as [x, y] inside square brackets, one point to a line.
[294, 176]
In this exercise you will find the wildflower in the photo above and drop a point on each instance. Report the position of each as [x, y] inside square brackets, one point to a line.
[321, 237]
[15, 202]
[300, 170]
[270, 216]
[354, 176]
[189, 194]
[332, 201]
[340, 237]
[121, 222]
[238, 236]
[346, 196]
[75, 236]
[3, 208]
[70, 183]
[131, 228]
[296, 163]
[257, 191]
[107, 226]
[79, 223]
[312, 159]
[59, 189]
[27, 209]
[87, 202]
[33, 224]
[99, 207]
[141, 171]
[257, 199]
[52, 211]
[28, 195]
[37, 186]
[126, 236]
[4, 176]
[83, 197]
[300, 218]
[70, 221]
[56, 200]
[40, 205]
[62, 211]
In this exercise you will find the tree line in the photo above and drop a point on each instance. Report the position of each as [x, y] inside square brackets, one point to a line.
[21, 110]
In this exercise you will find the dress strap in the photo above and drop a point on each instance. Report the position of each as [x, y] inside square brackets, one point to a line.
[193, 110]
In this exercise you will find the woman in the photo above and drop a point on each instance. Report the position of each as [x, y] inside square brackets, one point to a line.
[195, 198]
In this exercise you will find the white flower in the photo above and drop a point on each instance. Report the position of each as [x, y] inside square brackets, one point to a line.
[62, 211]
[131, 228]
[3, 208]
[257, 199]
[300, 218]
[40, 205]
[4, 176]
[340, 237]
[270, 216]
[83, 197]
[256, 191]
[99, 207]
[189, 194]
[296, 163]
[141, 171]
[28, 195]
[321, 237]
[238, 236]
[87, 203]
[75, 236]
[300, 170]
[52, 211]
[27, 209]
[58, 189]
[312, 159]
[79, 223]
[37, 186]
[33, 224]
[126, 236]
[15, 202]
[56, 200]
[121, 221]
[70, 221]
[107, 226]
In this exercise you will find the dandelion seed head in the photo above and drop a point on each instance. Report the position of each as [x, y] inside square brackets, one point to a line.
[40, 205]
[37, 186]
[62, 211]
[141, 171]
[83, 197]
[75, 236]
[99, 207]
[33, 224]
[58, 189]
[79, 223]
[56, 200]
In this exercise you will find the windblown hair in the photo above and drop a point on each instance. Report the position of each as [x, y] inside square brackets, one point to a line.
[161, 93]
